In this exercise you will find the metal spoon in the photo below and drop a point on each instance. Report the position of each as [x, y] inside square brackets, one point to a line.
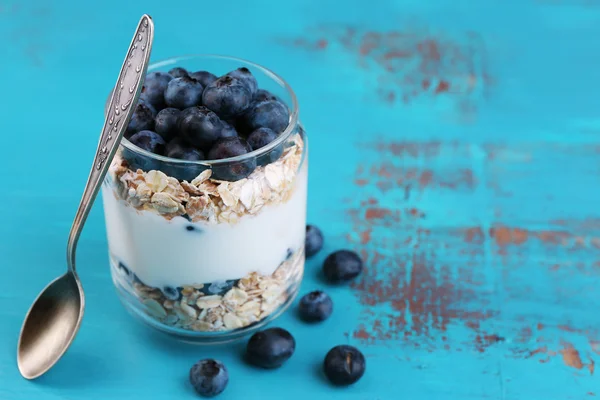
[55, 316]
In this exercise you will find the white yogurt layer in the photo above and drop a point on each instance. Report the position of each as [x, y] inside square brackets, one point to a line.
[164, 252]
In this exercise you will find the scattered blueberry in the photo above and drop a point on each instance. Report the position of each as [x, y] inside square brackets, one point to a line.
[154, 88]
[227, 148]
[342, 266]
[209, 377]
[313, 241]
[192, 228]
[266, 114]
[259, 139]
[244, 75]
[165, 123]
[289, 253]
[227, 96]
[200, 126]
[178, 72]
[183, 92]
[263, 95]
[149, 141]
[315, 306]
[204, 77]
[142, 119]
[171, 293]
[344, 365]
[177, 148]
[270, 348]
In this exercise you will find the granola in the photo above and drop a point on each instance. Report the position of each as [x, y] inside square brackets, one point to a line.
[253, 298]
[206, 199]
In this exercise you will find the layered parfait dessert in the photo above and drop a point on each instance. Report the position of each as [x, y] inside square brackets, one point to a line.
[205, 202]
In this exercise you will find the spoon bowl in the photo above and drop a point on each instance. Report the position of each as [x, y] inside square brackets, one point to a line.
[50, 325]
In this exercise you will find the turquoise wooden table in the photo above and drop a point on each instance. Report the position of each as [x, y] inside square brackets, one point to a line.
[455, 144]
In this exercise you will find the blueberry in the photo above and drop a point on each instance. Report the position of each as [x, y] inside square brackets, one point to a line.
[149, 141]
[344, 365]
[219, 287]
[313, 241]
[129, 275]
[270, 348]
[315, 306]
[200, 126]
[192, 228]
[342, 266]
[204, 77]
[228, 130]
[154, 88]
[183, 92]
[244, 75]
[227, 96]
[288, 254]
[165, 123]
[171, 293]
[227, 148]
[266, 114]
[143, 100]
[142, 119]
[177, 148]
[260, 138]
[262, 95]
[209, 377]
[178, 72]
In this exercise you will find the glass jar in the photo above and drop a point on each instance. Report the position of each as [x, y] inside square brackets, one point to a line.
[210, 250]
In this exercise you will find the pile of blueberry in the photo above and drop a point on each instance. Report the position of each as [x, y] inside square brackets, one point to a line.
[197, 116]
[271, 348]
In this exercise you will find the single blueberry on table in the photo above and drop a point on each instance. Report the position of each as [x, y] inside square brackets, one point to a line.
[142, 119]
[342, 266]
[154, 88]
[171, 293]
[183, 92]
[200, 127]
[149, 141]
[209, 377]
[178, 72]
[266, 114]
[270, 348]
[313, 241]
[259, 139]
[227, 96]
[228, 148]
[315, 306]
[204, 77]
[246, 77]
[165, 123]
[344, 365]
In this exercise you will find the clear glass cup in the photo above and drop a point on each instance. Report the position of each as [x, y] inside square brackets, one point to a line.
[197, 254]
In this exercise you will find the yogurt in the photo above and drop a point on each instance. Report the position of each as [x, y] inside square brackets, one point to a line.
[178, 252]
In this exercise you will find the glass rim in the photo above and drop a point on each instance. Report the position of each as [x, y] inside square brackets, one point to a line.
[293, 122]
